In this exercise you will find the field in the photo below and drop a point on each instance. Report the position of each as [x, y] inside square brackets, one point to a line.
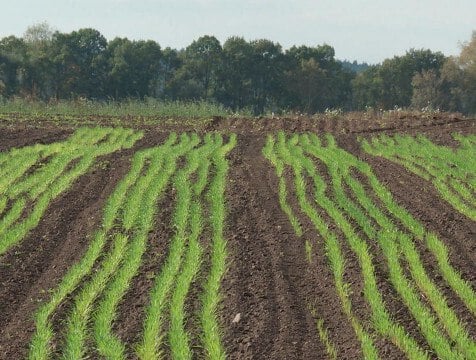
[288, 238]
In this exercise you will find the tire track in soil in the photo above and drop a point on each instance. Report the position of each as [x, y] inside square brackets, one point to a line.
[265, 282]
[29, 270]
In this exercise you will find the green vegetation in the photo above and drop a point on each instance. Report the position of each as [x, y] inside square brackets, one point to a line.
[34, 176]
[256, 76]
[211, 291]
[361, 221]
[324, 336]
[148, 108]
[103, 276]
[308, 248]
[452, 171]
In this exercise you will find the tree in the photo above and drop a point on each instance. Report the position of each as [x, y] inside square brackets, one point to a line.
[467, 63]
[390, 84]
[315, 80]
[267, 74]
[199, 72]
[40, 76]
[38, 34]
[80, 63]
[235, 74]
[133, 68]
[13, 69]
[426, 90]
[170, 62]
[458, 78]
[367, 89]
[308, 84]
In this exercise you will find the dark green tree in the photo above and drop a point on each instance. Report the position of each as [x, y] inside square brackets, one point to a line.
[267, 78]
[80, 63]
[367, 89]
[40, 76]
[133, 68]
[389, 84]
[13, 69]
[198, 76]
[316, 80]
[235, 74]
[170, 62]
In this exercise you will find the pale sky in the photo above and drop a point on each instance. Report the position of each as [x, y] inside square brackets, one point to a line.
[364, 30]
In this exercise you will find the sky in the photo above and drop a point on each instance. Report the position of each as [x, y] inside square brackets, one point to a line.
[363, 30]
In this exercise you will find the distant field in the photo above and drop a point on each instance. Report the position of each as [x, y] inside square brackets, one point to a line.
[338, 237]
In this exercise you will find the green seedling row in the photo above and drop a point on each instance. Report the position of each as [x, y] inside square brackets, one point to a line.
[34, 176]
[452, 171]
[443, 331]
[101, 279]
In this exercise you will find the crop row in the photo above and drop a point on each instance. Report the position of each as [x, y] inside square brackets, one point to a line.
[33, 176]
[452, 171]
[196, 169]
[364, 212]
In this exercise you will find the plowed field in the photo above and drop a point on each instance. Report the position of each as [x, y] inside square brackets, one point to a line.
[240, 239]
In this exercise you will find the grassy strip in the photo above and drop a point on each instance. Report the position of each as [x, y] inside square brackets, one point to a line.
[18, 166]
[12, 215]
[3, 203]
[70, 150]
[451, 171]
[211, 289]
[108, 344]
[461, 287]
[76, 323]
[46, 175]
[282, 192]
[436, 246]
[381, 318]
[389, 244]
[150, 107]
[447, 317]
[178, 338]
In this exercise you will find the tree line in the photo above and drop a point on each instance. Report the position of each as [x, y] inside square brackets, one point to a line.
[259, 75]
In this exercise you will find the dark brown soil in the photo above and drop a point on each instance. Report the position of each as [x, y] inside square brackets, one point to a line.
[265, 282]
[19, 137]
[29, 270]
[269, 281]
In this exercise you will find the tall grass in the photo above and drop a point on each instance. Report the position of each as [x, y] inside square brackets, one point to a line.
[148, 107]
